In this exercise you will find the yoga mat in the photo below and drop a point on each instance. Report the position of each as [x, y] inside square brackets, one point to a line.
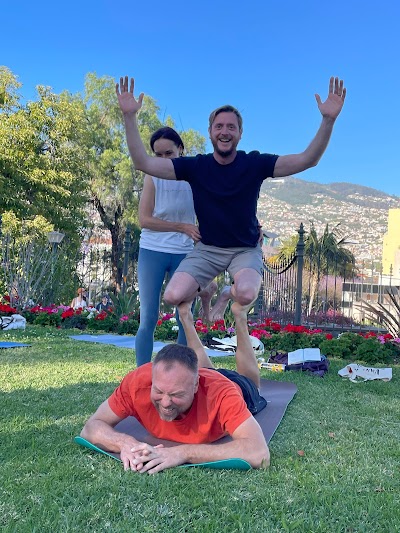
[125, 341]
[4, 344]
[235, 464]
[278, 395]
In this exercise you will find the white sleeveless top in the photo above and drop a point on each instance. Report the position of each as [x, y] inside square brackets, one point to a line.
[173, 202]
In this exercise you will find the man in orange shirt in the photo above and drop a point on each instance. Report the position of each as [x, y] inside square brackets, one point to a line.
[182, 397]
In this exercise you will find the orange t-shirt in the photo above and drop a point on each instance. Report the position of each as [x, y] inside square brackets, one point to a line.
[218, 408]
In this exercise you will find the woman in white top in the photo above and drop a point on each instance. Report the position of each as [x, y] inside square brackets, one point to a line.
[169, 230]
[79, 302]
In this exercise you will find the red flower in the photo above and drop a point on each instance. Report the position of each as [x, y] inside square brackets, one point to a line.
[7, 309]
[369, 334]
[67, 313]
[7, 298]
[290, 328]
[329, 336]
[101, 316]
[159, 322]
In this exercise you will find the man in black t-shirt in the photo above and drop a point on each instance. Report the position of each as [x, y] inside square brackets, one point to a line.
[225, 187]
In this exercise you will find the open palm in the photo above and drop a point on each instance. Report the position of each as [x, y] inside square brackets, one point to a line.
[127, 102]
[334, 103]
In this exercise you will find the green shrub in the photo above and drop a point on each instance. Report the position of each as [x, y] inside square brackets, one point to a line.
[47, 319]
[110, 323]
[353, 340]
[76, 321]
[125, 303]
[288, 342]
[128, 327]
[30, 317]
[165, 331]
[336, 348]
[372, 351]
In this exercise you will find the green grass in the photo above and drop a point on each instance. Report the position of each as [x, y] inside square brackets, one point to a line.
[348, 479]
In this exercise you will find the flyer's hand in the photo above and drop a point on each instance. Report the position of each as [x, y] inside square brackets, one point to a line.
[153, 459]
[126, 100]
[334, 103]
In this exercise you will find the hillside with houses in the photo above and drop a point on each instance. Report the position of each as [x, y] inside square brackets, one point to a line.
[362, 212]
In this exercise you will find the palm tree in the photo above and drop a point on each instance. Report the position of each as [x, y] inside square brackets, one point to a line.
[323, 256]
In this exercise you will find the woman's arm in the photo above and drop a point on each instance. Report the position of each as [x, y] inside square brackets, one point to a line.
[148, 221]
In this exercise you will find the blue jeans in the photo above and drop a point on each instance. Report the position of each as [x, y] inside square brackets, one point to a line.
[152, 269]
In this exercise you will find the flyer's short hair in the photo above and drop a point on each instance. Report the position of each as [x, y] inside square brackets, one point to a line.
[226, 109]
[177, 353]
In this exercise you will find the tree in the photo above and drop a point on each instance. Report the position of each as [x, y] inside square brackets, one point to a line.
[64, 157]
[43, 160]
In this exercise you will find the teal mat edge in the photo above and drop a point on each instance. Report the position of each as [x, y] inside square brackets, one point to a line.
[232, 464]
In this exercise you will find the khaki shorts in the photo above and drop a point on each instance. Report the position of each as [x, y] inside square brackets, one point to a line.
[205, 262]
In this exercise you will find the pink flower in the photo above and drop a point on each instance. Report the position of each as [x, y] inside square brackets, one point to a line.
[124, 318]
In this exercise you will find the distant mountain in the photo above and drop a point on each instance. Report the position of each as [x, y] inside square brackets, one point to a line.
[361, 211]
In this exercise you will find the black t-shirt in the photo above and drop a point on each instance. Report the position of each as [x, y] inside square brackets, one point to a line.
[225, 196]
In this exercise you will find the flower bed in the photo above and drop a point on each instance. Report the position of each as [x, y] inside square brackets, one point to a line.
[368, 347]
[87, 318]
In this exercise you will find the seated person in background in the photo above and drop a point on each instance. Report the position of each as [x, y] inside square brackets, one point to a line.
[79, 302]
[181, 397]
[104, 305]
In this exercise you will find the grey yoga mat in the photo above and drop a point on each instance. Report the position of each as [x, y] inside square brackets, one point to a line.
[278, 395]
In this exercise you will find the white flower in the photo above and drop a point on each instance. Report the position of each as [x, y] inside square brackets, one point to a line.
[175, 328]
[172, 319]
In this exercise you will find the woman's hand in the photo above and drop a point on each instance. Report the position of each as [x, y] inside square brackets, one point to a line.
[192, 231]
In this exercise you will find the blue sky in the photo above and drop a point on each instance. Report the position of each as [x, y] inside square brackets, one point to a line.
[267, 58]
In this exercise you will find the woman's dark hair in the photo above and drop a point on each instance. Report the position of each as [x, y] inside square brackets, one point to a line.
[166, 133]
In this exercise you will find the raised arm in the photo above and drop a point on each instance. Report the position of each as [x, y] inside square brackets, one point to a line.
[155, 166]
[330, 109]
[147, 220]
[248, 443]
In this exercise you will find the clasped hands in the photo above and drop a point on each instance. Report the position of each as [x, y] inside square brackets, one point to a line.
[142, 457]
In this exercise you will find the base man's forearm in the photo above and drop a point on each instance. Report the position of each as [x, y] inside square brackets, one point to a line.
[256, 456]
[101, 434]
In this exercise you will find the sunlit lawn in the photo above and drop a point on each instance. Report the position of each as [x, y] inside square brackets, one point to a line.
[345, 479]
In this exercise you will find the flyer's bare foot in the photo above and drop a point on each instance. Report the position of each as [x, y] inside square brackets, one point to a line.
[206, 297]
[218, 309]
